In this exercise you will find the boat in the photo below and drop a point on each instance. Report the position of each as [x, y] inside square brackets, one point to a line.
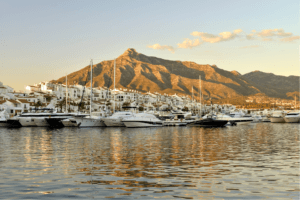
[292, 117]
[209, 121]
[14, 122]
[69, 122]
[240, 118]
[142, 120]
[257, 118]
[93, 120]
[117, 119]
[277, 116]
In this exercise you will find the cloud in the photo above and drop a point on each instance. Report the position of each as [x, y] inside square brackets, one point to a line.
[188, 43]
[223, 36]
[273, 32]
[290, 39]
[162, 47]
[251, 46]
[266, 35]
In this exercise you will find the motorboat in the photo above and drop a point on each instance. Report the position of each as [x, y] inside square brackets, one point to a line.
[93, 120]
[292, 117]
[240, 118]
[117, 118]
[278, 116]
[71, 122]
[209, 121]
[56, 121]
[257, 118]
[142, 120]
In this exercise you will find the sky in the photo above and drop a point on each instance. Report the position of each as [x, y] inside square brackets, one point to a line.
[45, 40]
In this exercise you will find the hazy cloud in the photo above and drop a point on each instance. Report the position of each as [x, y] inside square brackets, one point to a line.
[263, 35]
[290, 39]
[223, 36]
[273, 32]
[251, 46]
[162, 47]
[188, 43]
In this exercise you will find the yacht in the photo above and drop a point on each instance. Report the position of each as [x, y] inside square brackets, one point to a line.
[142, 120]
[292, 117]
[277, 116]
[257, 118]
[93, 120]
[117, 118]
[240, 118]
[209, 121]
[235, 118]
[56, 120]
[69, 122]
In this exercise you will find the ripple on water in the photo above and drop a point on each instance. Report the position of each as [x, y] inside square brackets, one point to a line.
[255, 161]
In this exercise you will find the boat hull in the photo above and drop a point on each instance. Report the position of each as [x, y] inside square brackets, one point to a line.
[55, 122]
[209, 123]
[142, 124]
[69, 123]
[277, 119]
[89, 122]
[27, 121]
[3, 123]
[41, 122]
[14, 123]
[113, 122]
[291, 119]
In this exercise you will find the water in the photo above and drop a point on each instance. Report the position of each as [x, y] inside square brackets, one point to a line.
[255, 161]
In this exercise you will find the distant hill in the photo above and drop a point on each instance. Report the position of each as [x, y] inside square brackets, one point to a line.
[273, 85]
[145, 73]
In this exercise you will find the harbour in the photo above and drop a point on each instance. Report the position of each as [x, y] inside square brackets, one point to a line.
[251, 161]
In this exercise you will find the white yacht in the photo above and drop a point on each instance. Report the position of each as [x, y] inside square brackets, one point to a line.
[257, 118]
[142, 120]
[292, 117]
[116, 118]
[69, 122]
[277, 116]
[94, 120]
[236, 118]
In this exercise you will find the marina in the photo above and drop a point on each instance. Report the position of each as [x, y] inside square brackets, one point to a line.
[252, 161]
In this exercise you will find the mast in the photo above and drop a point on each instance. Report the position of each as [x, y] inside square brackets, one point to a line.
[91, 87]
[200, 95]
[66, 93]
[114, 85]
[192, 98]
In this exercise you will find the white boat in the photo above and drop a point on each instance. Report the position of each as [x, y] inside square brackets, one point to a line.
[236, 118]
[277, 116]
[94, 120]
[292, 117]
[257, 118]
[116, 118]
[71, 122]
[142, 120]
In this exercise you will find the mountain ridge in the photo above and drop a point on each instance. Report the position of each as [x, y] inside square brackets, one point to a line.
[145, 73]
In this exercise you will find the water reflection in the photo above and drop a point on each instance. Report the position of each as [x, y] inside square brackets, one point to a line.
[251, 161]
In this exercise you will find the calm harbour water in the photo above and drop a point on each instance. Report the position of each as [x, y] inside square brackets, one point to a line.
[255, 161]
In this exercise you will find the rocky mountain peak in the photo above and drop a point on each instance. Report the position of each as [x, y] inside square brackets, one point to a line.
[130, 52]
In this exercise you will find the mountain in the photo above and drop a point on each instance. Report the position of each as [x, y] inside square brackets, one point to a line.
[273, 85]
[145, 73]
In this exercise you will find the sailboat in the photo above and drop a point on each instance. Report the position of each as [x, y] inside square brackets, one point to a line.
[95, 118]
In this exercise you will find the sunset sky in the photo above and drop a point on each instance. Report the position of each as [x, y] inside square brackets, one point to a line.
[45, 40]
